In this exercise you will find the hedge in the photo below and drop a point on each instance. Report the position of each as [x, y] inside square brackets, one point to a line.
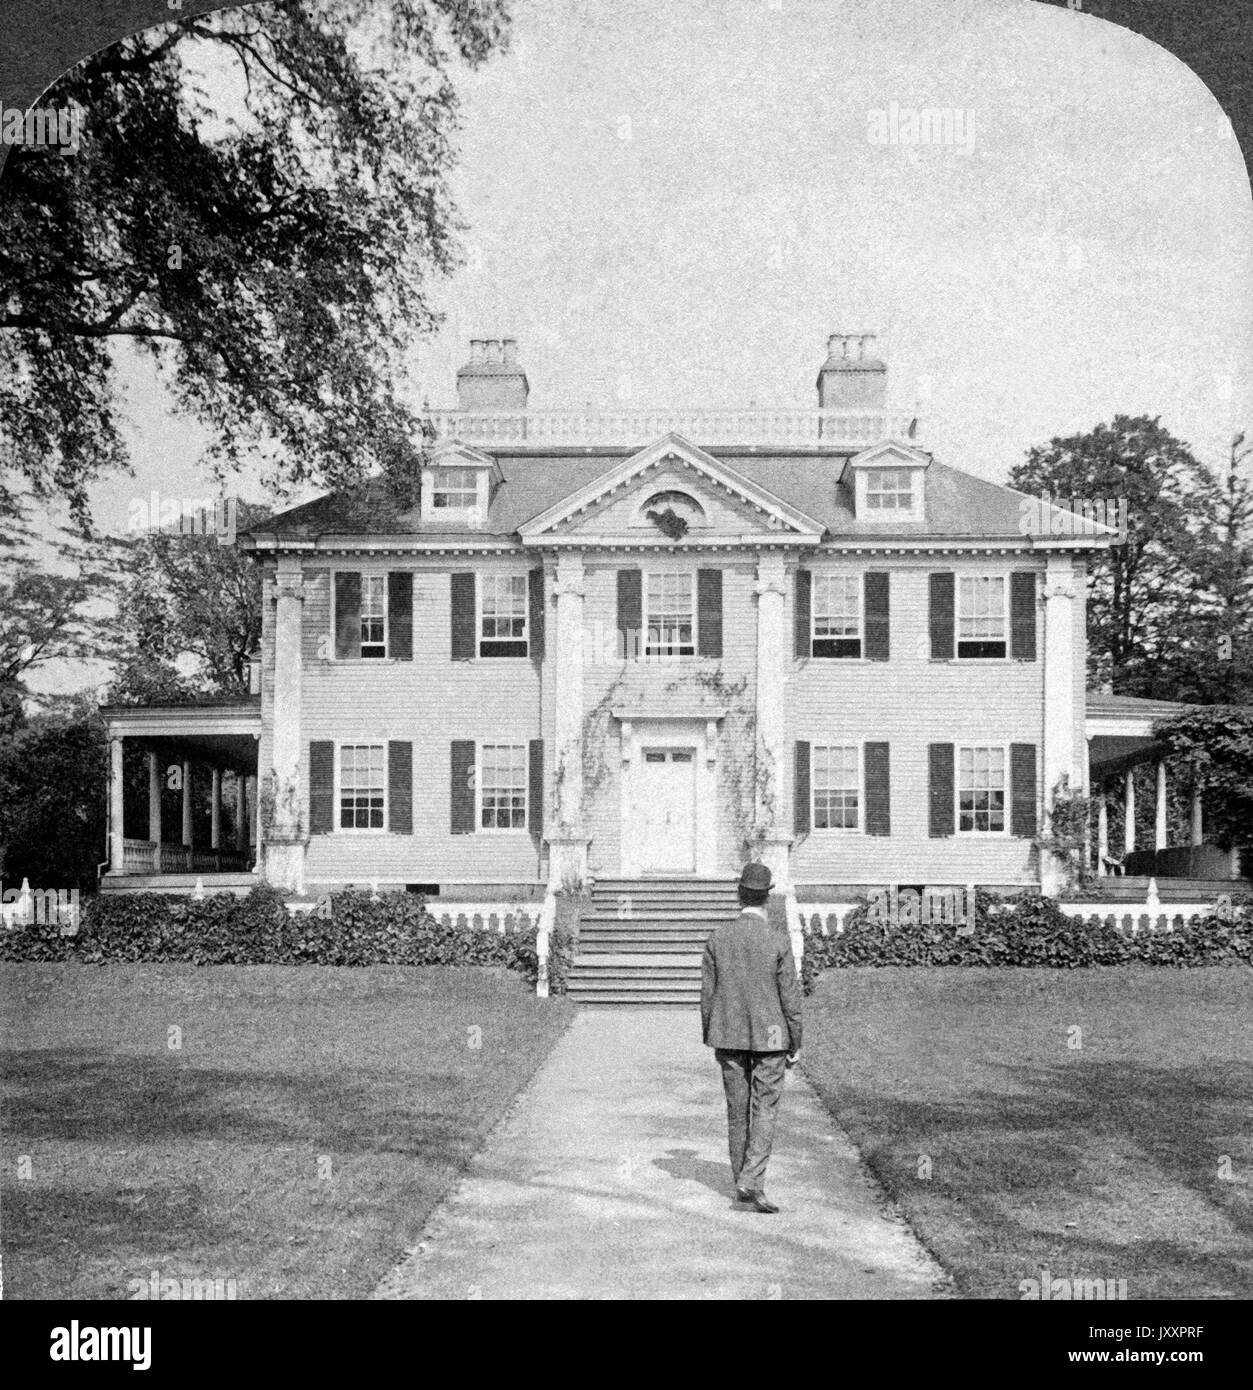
[1028, 930]
[351, 928]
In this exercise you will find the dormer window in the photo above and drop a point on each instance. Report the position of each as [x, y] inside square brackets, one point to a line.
[889, 490]
[455, 489]
[889, 483]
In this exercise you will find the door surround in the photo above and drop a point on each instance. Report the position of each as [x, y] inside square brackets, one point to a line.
[658, 729]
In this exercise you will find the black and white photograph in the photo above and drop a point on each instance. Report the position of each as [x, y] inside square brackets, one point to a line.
[626, 661]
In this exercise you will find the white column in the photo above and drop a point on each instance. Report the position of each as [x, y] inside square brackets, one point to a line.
[1060, 755]
[568, 842]
[254, 820]
[187, 802]
[772, 667]
[1129, 811]
[117, 854]
[215, 808]
[241, 812]
[1159, 824]
[1197, 836]
[154, 808]
[285, 838]
[1102, 832]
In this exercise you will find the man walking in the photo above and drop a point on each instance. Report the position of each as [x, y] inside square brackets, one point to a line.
[750, 1011]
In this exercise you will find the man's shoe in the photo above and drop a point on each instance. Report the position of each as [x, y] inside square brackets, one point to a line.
[759, 1200]
[742, 1194]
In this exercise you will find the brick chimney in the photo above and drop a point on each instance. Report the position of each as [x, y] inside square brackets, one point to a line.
[493, 378]
[852, 377]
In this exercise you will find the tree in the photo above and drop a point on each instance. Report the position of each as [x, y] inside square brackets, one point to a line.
[272, 261]
[1219, 742]
[1152, 604]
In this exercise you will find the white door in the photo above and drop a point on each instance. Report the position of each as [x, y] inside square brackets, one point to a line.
[665, 810]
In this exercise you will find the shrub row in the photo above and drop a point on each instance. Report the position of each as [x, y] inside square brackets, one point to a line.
[1028, 930]
[350, 928]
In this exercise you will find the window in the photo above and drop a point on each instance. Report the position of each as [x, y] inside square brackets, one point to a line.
[981, 790]
[361, 782]
[981, 621]
[373, 615]
[455, 489]
[889, 490]
[837, 615]
[502, 615]
[836, 788]
[502, 786]
[670, 620]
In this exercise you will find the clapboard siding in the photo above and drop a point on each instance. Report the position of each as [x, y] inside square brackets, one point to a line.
[909, 703]
[428, 701]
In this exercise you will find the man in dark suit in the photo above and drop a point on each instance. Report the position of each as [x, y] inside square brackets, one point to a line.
[750, 1010]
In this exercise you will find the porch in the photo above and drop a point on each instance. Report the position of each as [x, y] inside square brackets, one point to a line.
[187, 776]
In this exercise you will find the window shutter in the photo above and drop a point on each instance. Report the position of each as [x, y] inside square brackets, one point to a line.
[804, 589]
[461, 788]
[800, 787]
[535, 789]
[347, 615]
[315, 617]
[321, 787]
[400, 614]
[1022, 608]
[1022, 790]
[400, 788]
[878, 621]
[878, 790]
[631, 612]
[709, 612]
[535, 612]
[464, 644]
[940, 760]
[943, 621]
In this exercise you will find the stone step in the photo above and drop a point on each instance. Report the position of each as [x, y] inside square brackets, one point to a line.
[635, 945]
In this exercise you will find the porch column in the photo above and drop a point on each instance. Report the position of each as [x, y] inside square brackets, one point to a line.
[241, 812]
[1129, 812]
[187, 802]
[772, 665]
[285, 835]
[154, 808]
[251, 785]
[117, 849]
[1102, 832]
[568, 844]
[1159, 826]
[1197, 836]
[1063, 711]
[215, 809]
[1087, 791]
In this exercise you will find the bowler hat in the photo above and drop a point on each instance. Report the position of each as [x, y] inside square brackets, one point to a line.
[756, 877]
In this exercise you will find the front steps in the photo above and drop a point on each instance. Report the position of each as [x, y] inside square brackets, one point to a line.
[641, 940]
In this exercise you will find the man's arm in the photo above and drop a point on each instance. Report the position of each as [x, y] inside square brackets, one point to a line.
[708, 979]
[790, 996]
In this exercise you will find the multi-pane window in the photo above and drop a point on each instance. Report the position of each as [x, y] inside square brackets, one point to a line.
[502, 786]
[502, 615]
[671, 619]
[981, 789]
[373, 615]
[981, 621]
[361, 783]
[889, 490]
[836, 787]
[837, 615]
[455, 488]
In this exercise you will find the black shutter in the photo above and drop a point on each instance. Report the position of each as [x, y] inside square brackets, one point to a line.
[461, 787]
[878, 790]
[804, 587]
[940, 760]
[1022, 790]
[464, 637]
[631, 612]
[400, 787]
[400, 614]
[1022, 607]
[321, 787]
[878, 619]
[709, 612]
[800, 790]
[535, 789]
[347, 615]
[943, 621]
[535, 612]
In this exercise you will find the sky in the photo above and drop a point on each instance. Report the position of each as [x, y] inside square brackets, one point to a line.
[674, 202]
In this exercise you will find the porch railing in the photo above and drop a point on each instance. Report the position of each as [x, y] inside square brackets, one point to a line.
[141, 857]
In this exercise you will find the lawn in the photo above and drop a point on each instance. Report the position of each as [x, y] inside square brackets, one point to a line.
[294, 1140]
[1015, 1143]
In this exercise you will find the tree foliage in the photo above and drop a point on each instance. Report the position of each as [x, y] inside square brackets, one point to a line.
[1219, 741]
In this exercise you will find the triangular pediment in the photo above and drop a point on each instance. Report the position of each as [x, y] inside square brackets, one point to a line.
[890, 453]
[636, 499]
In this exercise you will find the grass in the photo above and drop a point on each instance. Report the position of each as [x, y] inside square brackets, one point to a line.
[1126, 1157]
[295, 1141]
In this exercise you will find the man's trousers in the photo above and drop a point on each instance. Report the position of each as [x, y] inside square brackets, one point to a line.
[753, 1082]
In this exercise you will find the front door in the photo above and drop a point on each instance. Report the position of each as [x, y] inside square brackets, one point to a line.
[665, 810]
